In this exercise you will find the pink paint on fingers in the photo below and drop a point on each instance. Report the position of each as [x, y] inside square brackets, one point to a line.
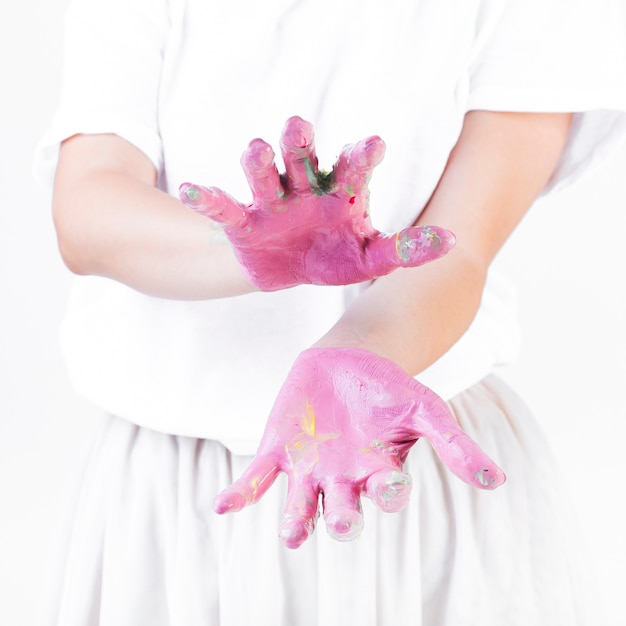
[342, 425]
[410, 247]
[300, 515]
[254, 482]
[465, 459]
[308, 226]
[342, 510]
[390, 490]
[260, 170]
[294, 531]
[356, 163]
[457, 450]
[213, 203]
[298, 149]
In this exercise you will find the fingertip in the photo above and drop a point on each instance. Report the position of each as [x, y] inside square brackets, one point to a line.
[204, 200]
[344, 524]
[455, 448]
[189, 194]
[488, 478]
[368, 153]
[258, 155]
[228, 501]
[468, 462]
[447, 238]
[297, 134]
[294, 531]
[390, 490]
[418, 245]
[438, 240]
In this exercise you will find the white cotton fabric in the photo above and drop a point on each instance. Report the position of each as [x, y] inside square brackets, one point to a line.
[146, 547]
[190, 82]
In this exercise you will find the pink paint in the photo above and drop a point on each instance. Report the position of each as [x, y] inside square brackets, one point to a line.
[309, 227]
[342, 426]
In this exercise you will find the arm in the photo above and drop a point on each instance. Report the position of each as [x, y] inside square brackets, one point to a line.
[499, 166]
[309, 226]
[112, 221]
[349, 411]
[303, 227]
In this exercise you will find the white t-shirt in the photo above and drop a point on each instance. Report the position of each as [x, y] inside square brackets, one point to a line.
[190, 82]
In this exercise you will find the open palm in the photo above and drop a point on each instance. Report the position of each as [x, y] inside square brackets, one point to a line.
[342, 426]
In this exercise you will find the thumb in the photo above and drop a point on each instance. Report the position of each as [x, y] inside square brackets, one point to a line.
[214, 204]
[464, 458]
[456, 449]
[408, 248]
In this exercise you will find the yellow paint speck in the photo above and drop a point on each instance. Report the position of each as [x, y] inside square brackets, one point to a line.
[308, 421]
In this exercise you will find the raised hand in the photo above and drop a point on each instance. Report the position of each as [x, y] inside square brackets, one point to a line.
[310, 227]
[342, 426]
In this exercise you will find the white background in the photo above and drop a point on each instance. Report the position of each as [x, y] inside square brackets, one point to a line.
[568, 259]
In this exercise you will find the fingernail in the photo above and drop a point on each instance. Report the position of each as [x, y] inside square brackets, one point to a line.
[342, 528]
[259, 154]
[489, 478]
[405, 244]
[297, 134]
[376, 147]
[393, 493]
[398, 483]
[448, 237]
[431, 237]
[188, 193]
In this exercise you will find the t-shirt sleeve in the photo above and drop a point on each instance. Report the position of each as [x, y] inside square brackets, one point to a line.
[111, 77]
[559, 56]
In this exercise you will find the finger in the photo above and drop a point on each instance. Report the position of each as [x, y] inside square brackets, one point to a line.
[458, 451]
[355, 164]
[300, 515]
[254, 482]
[213, 203]
[389, 489]
[466, 460]
[260, 170]
[298, 149]
[462, 455]
[408, 248]
[342, 512]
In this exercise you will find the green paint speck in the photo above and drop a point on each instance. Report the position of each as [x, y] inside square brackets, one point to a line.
[322, 182]
[192, 193]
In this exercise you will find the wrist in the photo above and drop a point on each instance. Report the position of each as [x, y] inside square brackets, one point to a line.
[351, 337]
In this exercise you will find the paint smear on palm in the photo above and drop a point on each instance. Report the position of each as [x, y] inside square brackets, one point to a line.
[303, 449]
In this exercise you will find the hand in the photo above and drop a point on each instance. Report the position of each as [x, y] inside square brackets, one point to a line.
[342, 426]
[309, 227]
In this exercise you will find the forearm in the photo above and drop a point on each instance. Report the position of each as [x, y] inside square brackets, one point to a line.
[112, 221]
[499, 166]
[408, 317]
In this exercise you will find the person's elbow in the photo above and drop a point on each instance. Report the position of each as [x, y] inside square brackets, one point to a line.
[73, 241]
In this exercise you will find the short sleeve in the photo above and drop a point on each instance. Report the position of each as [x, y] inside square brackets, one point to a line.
[559, 56]
[112, 66]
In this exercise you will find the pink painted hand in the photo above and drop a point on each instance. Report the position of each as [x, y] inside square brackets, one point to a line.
[308, 227]
[342, 426]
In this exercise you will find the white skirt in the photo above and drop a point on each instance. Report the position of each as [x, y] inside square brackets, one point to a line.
[146, 548]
